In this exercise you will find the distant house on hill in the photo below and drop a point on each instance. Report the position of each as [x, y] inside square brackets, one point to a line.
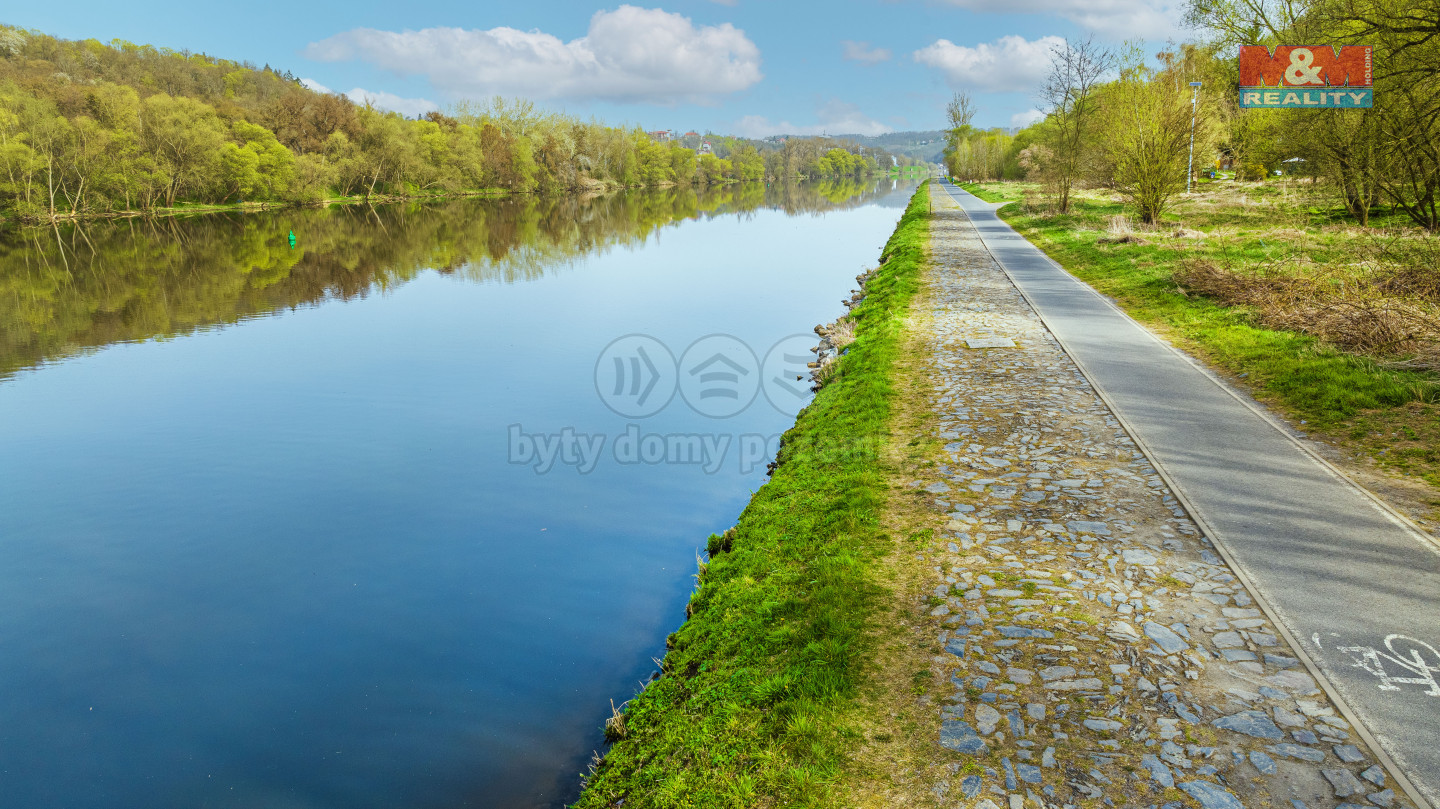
[660, 135]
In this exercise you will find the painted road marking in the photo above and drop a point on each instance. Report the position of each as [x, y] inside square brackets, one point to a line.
[1402, 654]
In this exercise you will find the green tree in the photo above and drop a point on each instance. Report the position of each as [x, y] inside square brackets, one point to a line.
[273, 165]
[1146, 119]
[184, 138]
[19, 164]
[749, 165]
[682, 164]
[387, 151]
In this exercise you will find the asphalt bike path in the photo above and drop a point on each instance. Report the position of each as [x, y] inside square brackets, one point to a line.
[1354, 585]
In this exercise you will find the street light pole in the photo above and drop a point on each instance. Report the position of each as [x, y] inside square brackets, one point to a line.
[1190, 168]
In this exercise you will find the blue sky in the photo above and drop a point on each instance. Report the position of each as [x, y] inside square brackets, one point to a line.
[748, 67]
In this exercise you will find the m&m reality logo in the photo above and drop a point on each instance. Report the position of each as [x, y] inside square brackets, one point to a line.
[1306, 76]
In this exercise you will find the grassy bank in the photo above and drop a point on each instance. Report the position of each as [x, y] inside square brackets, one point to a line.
[1375, 408]
[757, 702]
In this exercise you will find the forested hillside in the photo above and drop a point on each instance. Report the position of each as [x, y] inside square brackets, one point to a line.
[88, 128]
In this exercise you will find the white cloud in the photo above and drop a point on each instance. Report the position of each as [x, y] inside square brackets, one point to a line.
[1012, 63]
[1026, 118]
[379, 99]
[628, 55]
[862, 52]
[1113, 19]
[835, 118]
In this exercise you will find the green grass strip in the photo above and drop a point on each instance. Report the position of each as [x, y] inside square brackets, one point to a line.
[755, 702]
[985, 194]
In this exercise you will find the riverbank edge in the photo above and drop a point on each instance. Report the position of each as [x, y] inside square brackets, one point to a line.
[590, 189]
[358, 199]
[756, 700]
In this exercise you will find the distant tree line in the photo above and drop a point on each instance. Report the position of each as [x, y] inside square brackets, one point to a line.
[88, 128]
[1112, 121]
[1123, 122]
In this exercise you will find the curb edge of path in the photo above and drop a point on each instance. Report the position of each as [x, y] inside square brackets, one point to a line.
[1404, 522]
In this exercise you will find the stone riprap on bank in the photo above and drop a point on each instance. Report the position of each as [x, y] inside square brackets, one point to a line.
[1097, 648]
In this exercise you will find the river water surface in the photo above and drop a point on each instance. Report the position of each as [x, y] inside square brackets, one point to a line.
[387, 518]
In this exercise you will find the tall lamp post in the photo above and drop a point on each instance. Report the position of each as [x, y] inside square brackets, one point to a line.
[1190, 168]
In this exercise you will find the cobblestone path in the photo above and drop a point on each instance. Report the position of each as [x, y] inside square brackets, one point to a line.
[1098, 647]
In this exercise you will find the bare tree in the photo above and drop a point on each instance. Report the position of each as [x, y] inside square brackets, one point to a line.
[1076, 70]
[1390, 152]
[1406, 33]
[1410, 126]
[1346, 147]
[960, 111]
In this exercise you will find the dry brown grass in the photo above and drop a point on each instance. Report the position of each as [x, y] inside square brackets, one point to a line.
[1120, 231]
[842, 333]
[1386, 310]
[1036, 203]
[1410, 268]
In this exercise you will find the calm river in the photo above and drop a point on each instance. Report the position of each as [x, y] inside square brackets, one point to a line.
[385, 518]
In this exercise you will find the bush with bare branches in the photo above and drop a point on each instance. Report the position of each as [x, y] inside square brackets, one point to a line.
[1380, 309]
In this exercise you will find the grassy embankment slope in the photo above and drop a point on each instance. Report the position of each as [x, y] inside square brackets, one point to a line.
[1372, 407]
[759, 699]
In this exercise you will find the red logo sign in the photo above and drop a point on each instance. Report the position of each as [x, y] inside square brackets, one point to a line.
[1305, 66]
